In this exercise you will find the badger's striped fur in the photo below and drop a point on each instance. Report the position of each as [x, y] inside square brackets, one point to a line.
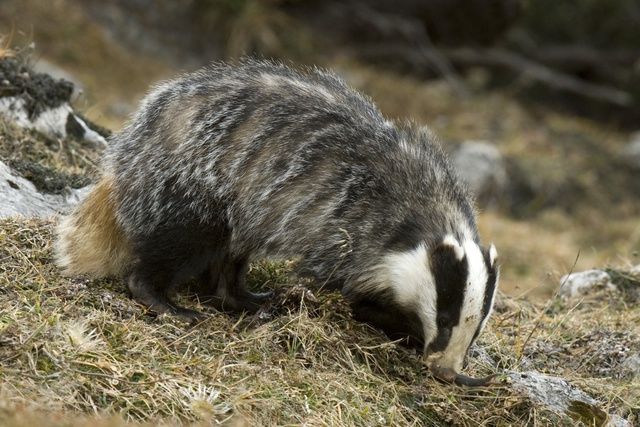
[229, 164]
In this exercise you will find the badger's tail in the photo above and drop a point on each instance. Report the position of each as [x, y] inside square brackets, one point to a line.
[89, 240]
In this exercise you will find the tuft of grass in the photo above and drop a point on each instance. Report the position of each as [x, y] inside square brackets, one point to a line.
[51, 164]
[6, 41]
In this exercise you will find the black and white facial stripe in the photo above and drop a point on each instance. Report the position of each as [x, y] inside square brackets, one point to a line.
[449, 288]
[465, 278]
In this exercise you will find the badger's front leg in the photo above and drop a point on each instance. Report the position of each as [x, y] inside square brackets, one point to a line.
[223, 286]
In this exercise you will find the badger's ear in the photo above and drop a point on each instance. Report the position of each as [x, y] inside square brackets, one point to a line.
[493, 256]
[448, 259]
[450, 246]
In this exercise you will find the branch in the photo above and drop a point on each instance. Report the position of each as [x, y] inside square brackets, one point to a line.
[417, 49]
[534, 70]
[585, 55]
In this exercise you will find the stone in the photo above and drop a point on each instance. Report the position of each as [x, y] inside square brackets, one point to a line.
[56, 122]
[632, 150]
[19, 197]
[557, 395]
[36, 100]
[631, 365]
[579, 284]
[482, 168]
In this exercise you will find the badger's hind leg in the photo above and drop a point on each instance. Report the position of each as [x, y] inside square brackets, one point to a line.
[173, 254]
[152, 290]
[170, 256]
[223, 286]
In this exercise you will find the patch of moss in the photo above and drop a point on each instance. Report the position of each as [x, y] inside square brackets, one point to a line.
[628, 283]
[65, 156]
[47, 180]
[586, 413]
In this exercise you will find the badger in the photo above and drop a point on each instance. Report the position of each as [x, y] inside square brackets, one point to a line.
[234, 163]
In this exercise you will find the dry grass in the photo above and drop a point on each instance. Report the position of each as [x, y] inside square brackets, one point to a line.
[51, 164]
[62, 155]
[74, 347]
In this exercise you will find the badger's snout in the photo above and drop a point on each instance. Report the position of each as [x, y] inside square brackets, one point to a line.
[445, 361]
[449, 376]
[447, 366]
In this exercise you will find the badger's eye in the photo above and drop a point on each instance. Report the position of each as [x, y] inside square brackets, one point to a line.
[443, 321]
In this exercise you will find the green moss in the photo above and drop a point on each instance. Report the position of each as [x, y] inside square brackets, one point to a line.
[45, 179]
[628, 283]
[586, 413]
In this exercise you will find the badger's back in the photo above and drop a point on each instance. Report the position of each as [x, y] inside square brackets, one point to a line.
[234, 163]
[293, 164]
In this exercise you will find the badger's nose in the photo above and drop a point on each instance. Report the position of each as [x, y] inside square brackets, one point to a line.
[444, 360]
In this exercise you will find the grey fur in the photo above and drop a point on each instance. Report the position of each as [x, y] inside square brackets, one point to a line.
[283, 160]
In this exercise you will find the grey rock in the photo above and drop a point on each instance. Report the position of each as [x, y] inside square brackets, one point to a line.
[632, 150]
[579, 284]
[482, 168]
[52, 122]
[481, 356]
[19, 197]
[557, 395]
[632, 365]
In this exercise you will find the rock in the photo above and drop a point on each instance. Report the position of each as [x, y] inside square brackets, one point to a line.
[579, 284]
[482, 168]
[557, 395]
[632, 365]
[632, 150]
[481, 356]
[57, 122]
[19, 197]
[38, 101]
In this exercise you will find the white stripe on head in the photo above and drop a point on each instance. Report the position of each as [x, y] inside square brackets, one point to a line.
[452, 242]
[493, 257]
[413, 284]
[462, 334]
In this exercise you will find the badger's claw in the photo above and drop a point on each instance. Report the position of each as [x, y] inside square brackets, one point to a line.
[450, 376]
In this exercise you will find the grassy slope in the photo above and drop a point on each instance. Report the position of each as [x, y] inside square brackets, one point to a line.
[73, 346]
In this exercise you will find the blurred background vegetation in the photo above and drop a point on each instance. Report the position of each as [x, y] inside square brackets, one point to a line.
[554, 85]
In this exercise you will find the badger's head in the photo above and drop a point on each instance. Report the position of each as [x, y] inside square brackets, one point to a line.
[437, 299]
